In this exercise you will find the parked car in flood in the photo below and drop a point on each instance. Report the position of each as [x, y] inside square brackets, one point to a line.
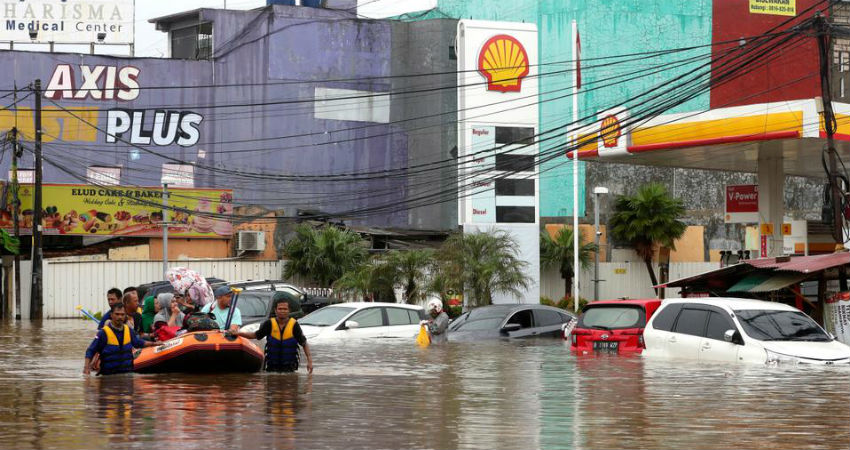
[510, 321]
[346, 321]
[612, 326]
[739, 330]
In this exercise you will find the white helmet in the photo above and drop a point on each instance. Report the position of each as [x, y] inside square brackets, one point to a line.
[435, 306]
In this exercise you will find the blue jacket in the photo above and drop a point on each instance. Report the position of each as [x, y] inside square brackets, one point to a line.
[115, 348]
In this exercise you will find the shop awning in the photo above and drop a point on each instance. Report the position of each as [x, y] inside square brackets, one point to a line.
[766, 282]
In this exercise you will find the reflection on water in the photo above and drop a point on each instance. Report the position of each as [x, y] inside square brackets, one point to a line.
[393, 394]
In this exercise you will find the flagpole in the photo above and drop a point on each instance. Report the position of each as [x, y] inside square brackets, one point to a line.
[576, 273]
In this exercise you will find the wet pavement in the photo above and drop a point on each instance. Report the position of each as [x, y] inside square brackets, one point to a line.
[392, 394]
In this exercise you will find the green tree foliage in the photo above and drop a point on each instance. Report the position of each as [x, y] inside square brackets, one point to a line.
[324, 254]
[558, 253]
[410, 269]
[648, 219]
[481, 265]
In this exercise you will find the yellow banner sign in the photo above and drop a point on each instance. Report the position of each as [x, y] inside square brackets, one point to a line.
[121, 211]
[774, 7]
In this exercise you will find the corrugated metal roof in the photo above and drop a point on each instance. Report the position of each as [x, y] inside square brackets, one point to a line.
[802, 264]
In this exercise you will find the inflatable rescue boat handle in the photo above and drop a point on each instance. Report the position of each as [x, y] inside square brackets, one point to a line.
[87, 314]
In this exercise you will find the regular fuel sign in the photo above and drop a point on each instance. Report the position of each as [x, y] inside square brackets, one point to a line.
[67, 21]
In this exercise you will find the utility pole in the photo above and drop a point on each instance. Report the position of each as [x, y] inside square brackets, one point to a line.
[597, 191]
[164, 230]
[822, 28]
[16, 211]
[36, 291]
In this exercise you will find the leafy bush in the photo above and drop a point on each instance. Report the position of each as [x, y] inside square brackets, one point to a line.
[454, 311]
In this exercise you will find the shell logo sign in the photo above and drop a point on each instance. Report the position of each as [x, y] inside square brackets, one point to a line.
[610, 131]
[503, 61]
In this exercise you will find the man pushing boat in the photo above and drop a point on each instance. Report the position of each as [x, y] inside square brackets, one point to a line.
[114, 343]
[283, 336]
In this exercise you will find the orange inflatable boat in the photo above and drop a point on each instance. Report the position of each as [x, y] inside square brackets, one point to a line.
[200, 351]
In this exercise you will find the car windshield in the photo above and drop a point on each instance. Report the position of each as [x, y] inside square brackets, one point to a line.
[766, 325]
[612, 317]
[326, 316]
[489, 312]
[478, 325]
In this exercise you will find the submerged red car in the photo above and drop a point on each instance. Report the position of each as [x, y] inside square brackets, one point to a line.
[612, 326]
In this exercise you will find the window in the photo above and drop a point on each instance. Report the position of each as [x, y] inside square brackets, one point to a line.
[371, 317]
[193, 42]
[717, 326]
[415, 316]
[326, 316]
[514, 187]
[613, 317]
[399, 316]
[691, 321]
[253, 305]
[664, 320]
[515, 163]
[768, 325]
[515, 214]
[104, 176]
[547, 318]
[523, 318]
[515, 135]
[178, 175]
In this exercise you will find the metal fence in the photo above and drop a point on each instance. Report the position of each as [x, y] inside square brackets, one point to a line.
[68, 284]
[626, 279]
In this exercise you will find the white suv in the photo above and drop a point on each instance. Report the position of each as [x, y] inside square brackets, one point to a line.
[739, 330]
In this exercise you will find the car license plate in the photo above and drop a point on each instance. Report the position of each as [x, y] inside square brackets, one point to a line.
[603, 346]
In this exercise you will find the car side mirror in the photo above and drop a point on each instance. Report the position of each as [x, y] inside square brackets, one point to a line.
[351, 324]
[511, 327]
[732, 336]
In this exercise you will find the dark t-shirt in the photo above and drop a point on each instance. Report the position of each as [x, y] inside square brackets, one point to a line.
[266, 329]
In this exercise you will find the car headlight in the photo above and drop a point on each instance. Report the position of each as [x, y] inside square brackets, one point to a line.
[252, 328]
[778, 358]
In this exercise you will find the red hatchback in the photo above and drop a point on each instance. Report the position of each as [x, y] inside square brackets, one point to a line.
[612, 326]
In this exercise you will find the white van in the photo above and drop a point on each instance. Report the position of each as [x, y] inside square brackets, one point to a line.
[739, 330]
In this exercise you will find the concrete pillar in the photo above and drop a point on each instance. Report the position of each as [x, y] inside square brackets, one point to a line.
[771, 181]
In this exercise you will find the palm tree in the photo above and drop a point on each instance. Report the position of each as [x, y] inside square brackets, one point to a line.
[648, 219]
[410, 269]
[483, 264]
[558, 253]
[323, 255]
[359, 281]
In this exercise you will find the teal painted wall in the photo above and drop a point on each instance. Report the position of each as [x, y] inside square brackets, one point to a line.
[607, 28]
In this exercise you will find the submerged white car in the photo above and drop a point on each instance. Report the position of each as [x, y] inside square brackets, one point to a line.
[346, 321]
[739, 330]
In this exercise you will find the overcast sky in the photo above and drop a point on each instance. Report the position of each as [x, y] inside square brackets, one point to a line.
[150, 42]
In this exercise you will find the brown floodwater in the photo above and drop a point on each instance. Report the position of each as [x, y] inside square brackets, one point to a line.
[392, 394]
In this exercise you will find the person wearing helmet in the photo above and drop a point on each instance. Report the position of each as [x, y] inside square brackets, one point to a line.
[438, 324]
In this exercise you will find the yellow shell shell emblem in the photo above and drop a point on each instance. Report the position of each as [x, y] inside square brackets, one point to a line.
[503, 61]
[610, 131]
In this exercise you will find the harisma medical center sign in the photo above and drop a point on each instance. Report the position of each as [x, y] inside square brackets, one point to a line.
[67, 21]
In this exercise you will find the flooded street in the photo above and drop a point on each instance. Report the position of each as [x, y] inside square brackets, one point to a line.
[523, 394]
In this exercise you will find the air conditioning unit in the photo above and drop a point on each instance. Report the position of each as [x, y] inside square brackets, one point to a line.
[251, 241]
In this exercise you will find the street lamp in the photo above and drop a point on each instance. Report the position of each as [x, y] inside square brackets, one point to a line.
[597, 191]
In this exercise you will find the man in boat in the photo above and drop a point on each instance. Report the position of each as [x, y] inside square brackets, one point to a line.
[221, 308]
[113, 296]
[283, 336]
[114, 343]
[132, 291]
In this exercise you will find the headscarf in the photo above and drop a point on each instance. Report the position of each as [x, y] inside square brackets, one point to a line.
[164, 314]
[148, 313]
